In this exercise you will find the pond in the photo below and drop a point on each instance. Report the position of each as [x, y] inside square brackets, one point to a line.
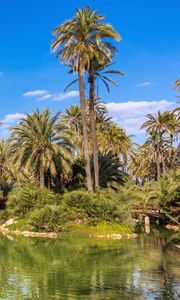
[147, 267]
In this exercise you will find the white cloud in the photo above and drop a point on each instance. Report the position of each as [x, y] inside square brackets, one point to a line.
[141, 84]
[62, 96]
[130, 115]
[11, 118]
[35, 93]
[8, 121]
[43, 95]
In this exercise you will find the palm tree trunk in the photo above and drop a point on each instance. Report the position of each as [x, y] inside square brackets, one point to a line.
[84, 125]
[157, 162]
[163, 165]
[158, 165]
[93, 130]
[41, 178]
[171, 152]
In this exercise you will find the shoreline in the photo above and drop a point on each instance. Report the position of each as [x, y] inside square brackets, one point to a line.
[54, 235]
[6, 231]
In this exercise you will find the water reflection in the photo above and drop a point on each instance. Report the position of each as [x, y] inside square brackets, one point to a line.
[143, 268]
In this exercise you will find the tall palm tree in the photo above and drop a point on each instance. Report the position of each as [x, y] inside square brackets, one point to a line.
[96, 71]
[40, 146]
[78, 41]
[155, 128]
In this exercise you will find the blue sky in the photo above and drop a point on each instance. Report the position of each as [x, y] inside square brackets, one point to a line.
[149, 54]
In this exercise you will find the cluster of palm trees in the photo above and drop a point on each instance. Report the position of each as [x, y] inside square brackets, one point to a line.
[84, 44]
[83, 143]
[158, 155]
[47, 148]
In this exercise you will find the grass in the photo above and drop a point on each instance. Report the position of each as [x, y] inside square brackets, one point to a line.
[100, 229]
[81, 230]
[20, 225]
[105, 228]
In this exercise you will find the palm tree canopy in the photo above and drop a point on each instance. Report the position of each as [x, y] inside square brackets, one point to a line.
[39, 143]
[72, 118]
[160, 123]
[80, 38]
[100, 70]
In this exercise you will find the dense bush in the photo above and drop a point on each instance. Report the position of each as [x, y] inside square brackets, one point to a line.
[47, 218]
[22, 199]
[165, 192]
[44, 210]
[170, 191]
[102, 206]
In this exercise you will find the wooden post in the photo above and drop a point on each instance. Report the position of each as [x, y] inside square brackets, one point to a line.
[147, 224]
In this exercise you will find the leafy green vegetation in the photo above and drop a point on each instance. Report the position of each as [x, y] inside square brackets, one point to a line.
[38, 209]
[79, 166]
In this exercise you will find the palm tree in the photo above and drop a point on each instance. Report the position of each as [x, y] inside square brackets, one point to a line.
[3, 158]
[72, 118]
[155, 127]
[7, 172]
[113, 138]
[141, 164]
[77, 42]
[40, 146]
[95, 71]
[110, 171]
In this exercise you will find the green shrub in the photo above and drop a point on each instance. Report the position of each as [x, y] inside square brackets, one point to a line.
[22, 199]
[48, 218]
[102, 206]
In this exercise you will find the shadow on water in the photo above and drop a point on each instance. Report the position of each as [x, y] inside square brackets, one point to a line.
[80, 268]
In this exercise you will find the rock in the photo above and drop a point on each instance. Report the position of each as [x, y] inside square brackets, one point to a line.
[173, 227]
[115, 236]
[8, 223]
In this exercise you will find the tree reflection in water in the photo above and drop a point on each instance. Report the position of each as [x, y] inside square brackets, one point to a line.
[81, 268]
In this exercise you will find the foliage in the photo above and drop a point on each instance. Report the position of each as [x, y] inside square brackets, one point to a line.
[110, 171]
[47, 218]
[105, 205]
[63, 151]
[22, 199]
[81, 38]
[111, 174]
[78, 174]
[170, 189]
[164, 192]
[41, 146]
[157, 156]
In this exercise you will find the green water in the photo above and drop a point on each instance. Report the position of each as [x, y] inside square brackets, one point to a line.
[79, 268]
